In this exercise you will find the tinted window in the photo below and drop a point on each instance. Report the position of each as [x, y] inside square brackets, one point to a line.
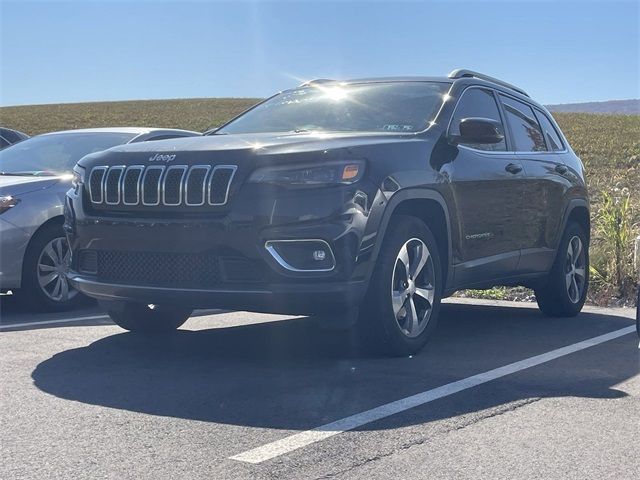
[550, 133]
[477, 102]
[524, 127]
[3, 143]
[402, 107]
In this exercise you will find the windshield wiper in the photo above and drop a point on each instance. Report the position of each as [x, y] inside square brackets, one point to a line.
[214, 131]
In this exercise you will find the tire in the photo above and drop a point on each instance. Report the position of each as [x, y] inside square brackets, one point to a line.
[565, 290]
[138, 317]
[44, 283]
[386, 320]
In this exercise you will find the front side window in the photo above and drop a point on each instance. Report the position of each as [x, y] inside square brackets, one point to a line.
[395, 107]
[478, 103]
[523, 125]
[550, 133]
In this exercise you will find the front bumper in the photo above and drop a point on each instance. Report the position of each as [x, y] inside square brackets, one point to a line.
[13, 245]
[305, 299]
[255, 217]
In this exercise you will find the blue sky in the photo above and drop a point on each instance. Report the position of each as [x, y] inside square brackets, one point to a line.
[76, 51]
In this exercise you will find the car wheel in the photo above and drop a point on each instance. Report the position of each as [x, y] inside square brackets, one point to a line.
[138, 317]
[44, 282]
[403, 300]
[565, 290]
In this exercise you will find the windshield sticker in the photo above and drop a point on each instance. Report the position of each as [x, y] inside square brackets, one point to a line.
[398, 128]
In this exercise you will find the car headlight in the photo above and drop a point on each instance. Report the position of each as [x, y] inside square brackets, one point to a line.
[78, 178]
[8, 202]
[332, 173]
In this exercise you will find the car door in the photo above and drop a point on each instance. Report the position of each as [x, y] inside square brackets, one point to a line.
[487, 189]
[538, 146]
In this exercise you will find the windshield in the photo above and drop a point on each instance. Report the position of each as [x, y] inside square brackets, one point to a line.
[55, 154]
[364, 107]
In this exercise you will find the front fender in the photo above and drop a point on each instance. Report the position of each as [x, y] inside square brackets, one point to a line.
[383, 209]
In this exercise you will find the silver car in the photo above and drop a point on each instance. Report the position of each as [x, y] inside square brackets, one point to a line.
[34, 177]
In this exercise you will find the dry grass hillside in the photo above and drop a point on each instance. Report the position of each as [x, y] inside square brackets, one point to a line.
[192, 114]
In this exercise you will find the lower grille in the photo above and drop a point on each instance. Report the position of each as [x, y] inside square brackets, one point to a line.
[174, 270]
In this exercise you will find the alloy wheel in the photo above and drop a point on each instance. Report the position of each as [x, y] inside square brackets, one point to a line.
[413, 287]
[575, 269]
[52, 265]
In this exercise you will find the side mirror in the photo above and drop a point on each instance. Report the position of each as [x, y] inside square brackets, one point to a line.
[479, 131]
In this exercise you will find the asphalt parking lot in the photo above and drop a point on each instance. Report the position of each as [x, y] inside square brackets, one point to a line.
[500, 392]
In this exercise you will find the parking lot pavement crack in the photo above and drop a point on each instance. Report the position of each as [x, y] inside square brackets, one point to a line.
[464, 423]
[496, 412]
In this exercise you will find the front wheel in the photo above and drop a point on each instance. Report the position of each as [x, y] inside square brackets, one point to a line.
[139, 317]
[565, 290]
[44, 282]
[403, 300]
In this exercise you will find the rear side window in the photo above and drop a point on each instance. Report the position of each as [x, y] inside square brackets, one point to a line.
[479, 103]
[550, 133]
[524, 127]
[3, 143]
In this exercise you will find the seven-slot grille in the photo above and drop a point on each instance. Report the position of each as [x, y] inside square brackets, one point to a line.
[171, 186]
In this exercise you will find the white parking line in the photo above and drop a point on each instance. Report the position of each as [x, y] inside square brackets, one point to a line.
[52, 322]
[302, 439]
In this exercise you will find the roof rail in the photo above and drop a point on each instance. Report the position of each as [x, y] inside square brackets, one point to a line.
[460, 73]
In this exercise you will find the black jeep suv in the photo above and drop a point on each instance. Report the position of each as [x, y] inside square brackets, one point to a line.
[366, 201]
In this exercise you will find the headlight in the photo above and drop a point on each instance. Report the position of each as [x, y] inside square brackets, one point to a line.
[334, 173]
[78, 178]
[8, 202]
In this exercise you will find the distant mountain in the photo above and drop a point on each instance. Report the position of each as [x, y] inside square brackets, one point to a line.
[623, 107]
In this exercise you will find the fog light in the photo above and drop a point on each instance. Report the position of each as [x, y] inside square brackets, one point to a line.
[303, 255]
[319, 255]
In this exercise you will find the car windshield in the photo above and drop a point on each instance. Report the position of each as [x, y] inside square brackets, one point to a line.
[332, 107]
[55, 154]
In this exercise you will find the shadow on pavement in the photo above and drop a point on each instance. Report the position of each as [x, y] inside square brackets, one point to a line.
[290, 375]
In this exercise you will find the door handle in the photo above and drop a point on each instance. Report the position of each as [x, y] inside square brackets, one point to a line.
[513, 168]
[561, 169]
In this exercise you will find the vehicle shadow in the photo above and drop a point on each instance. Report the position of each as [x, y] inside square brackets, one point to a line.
[290, 375]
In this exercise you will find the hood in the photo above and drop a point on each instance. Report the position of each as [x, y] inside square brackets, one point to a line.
[14, 186]
[240, 148]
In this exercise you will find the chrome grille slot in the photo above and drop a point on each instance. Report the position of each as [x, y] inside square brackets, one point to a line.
[112, 185]
[96, 184]
[196, 185]
[151, 185]
[219, 184]
[137, 186]
[131, 185]
[172, 185]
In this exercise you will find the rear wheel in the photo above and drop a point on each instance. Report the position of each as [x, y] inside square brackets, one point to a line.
[139, 317]
[565, 290]
[403, 301]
